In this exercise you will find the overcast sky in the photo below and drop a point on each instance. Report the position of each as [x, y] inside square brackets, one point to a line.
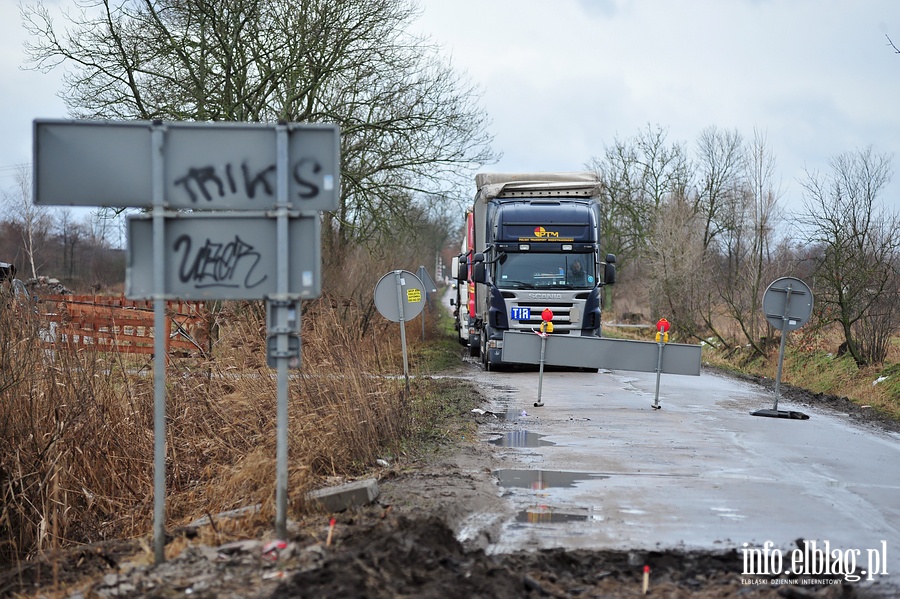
[563, 79]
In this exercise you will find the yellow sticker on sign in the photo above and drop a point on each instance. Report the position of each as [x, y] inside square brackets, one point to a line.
[413, 296]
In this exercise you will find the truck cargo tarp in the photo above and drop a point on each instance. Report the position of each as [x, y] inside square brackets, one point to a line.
[490, 185]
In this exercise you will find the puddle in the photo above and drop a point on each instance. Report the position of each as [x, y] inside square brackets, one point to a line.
[543, 479]
[546, 516]
[521, 439]
[725, 512]
[513, 414]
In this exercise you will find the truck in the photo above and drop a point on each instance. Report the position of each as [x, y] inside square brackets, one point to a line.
[535, 246]
[460, 301]
[464, 302]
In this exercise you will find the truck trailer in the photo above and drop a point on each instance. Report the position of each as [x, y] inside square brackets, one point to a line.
[460, 301]
[535, 245]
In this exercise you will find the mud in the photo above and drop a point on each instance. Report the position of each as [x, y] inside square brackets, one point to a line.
[429, 535]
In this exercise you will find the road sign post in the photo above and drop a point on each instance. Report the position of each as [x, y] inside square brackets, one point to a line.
[399, 296]
[159, 345]
[662, 337]
[546, 329]
[283, 330]
[271, 180]
[787, 304]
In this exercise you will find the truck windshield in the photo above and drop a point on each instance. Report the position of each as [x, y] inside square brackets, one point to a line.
[534, 270]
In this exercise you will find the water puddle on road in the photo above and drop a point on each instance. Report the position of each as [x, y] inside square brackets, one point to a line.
[543, 479]
[547, 516]
[521, 439]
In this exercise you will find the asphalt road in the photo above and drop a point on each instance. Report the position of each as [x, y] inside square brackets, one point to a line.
[597, 467]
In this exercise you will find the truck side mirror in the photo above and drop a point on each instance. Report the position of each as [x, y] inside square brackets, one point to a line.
[478, 273]
[609, 270]
[609, 274]
[455, 264]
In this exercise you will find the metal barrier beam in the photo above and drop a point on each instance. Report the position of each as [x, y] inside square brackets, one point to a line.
[600, 352]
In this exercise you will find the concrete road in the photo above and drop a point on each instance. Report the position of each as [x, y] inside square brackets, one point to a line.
[597, 467]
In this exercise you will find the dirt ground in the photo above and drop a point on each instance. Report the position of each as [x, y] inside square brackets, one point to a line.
[407, 545]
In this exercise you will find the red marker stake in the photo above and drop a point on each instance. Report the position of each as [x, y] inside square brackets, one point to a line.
[646, 578]
[330, 532]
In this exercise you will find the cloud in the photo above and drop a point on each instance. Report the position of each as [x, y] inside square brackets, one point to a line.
[562, 81]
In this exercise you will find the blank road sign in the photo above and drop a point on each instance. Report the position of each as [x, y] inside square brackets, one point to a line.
[84, 165]
[223, 256]
[787, 303]
[207, 166]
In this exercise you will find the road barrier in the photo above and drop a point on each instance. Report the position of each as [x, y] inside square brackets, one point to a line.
[117, 324]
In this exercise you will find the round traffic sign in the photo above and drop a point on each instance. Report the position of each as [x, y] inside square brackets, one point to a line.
[400, 290]
[787, 303]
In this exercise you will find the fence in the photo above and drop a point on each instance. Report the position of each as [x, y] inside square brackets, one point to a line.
[116, 324]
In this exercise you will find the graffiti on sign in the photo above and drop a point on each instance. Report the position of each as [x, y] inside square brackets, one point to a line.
[209, 183]
[217, 264]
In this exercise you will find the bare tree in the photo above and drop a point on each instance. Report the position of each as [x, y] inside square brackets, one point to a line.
[721, 173]
[639, 175]
[34, 222]
[858, 240]
[676, 265]
[746, 244]
[410, 126]
[892, 44]
[70, 235]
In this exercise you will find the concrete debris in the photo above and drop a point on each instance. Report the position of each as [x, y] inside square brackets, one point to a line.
[342, 497]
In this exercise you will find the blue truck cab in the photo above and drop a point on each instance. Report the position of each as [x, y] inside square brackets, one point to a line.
[537, 247]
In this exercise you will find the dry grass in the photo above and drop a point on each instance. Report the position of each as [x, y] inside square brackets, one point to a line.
[812, 362]
[76, 462]
[811, 356]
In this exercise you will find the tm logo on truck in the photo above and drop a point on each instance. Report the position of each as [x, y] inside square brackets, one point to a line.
[544, 233]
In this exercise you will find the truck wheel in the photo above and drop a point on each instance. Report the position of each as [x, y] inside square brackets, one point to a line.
[485, 332]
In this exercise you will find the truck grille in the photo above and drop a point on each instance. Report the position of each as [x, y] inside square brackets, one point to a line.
[562, 312]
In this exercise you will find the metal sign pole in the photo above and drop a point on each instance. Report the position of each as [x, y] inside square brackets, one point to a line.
[391, 303]
[540, 403]
[159, 343]
[281, 242]
[784, 331]
[656, 405]
[787, 304]
[662, 337]
[89, 163]
[398, 276]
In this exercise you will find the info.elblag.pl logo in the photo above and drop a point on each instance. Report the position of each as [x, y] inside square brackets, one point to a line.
[814, 558]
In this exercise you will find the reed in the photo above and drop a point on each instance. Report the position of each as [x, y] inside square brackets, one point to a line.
[76, 458]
